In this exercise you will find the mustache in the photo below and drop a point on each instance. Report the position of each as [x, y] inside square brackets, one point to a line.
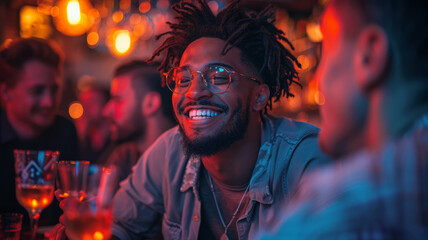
[202, 102]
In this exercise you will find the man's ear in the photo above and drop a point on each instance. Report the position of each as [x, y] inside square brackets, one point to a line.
[262, 97]
[151, 103]
[371, 58]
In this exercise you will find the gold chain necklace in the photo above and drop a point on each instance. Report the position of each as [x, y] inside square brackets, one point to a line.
[226, 227]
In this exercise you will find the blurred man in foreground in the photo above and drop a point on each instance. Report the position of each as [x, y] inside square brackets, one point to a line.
[374, 77]
[30, 90]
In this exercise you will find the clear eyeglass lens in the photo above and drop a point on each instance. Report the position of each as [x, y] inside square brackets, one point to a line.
[217, 79]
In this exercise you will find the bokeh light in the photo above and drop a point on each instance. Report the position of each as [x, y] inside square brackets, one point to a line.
[313, 31]
[123, 41]
[75, 110]
[117, 16]
[92, 38]
[73, 12]
[145, 7]
[74, 17]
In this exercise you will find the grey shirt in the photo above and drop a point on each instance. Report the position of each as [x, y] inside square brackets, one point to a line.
[162, 192]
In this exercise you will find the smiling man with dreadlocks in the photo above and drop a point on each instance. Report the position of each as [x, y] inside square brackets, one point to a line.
[228, 168]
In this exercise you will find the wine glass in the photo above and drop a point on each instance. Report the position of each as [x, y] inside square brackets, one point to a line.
[92, 218]
[72, 178]
[35, 178]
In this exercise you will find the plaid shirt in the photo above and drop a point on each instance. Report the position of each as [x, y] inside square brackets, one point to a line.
[369, 196]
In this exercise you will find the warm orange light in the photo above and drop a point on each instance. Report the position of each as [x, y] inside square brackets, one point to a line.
[135, 19]
[145, 7]
[7, 42]
[122, 41]
[98, 236]
[117, 16]
[125, 4]
[55, 11]
[304, 62]
[34, 203]
[73, 12]
[92, 38]
[74, 17]
[33, 23]
[314, 32]
[319, 98]
[45, 201]
[331, 22]
[139, 30]
[75, 110]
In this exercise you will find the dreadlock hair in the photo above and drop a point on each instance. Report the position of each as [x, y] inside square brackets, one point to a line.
[253, 33]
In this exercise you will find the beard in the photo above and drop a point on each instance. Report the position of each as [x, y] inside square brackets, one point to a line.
[222, 139]
[132, 130]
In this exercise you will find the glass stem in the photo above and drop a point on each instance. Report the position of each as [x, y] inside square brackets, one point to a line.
[34, 220]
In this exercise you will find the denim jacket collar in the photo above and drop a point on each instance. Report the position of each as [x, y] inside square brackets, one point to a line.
[259, 183]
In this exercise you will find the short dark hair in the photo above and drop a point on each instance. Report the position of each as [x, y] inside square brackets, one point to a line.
[146, 75]
[17, 53]
[253, 33]
[403, 22]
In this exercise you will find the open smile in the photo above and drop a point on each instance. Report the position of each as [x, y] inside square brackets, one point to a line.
[202, 116]
[202, 113]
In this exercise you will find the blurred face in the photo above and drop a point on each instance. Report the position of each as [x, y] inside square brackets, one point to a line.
[344, 110]
[34, 100]
[212, 122]
[93, 103]
[124, 110]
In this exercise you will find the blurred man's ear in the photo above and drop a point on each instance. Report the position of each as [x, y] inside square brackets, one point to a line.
[151, 103]
[262, 97]
[371, 58]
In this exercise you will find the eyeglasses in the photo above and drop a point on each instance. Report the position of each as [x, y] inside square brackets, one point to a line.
[216, 79]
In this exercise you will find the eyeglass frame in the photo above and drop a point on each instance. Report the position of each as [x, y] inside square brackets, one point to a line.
[204, 80]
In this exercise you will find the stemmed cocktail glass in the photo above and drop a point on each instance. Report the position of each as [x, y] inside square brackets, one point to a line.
[35, 178]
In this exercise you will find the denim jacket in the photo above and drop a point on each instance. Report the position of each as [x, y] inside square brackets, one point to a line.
[162, 192]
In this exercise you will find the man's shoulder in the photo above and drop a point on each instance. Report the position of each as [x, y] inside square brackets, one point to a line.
[168, 143]
[293, 129]
[170, 136]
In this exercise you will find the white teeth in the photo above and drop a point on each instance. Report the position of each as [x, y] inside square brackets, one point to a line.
[201, 114]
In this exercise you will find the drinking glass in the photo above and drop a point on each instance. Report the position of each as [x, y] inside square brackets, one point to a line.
[35, 178]
[92, 218]
[10, 226]
[72, 178]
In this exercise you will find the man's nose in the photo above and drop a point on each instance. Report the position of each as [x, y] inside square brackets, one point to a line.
[48, 99]
[198, 88]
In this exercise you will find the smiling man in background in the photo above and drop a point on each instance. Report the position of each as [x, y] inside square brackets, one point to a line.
[30, 91]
